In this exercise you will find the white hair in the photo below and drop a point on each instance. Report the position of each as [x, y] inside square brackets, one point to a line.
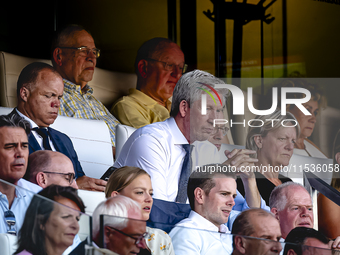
[119, 206]
[188, 89]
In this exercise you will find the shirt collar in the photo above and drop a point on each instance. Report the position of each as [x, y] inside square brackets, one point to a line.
[177, 135]
[206, 224]
[32, 123]
[143, 98]
[68, 85]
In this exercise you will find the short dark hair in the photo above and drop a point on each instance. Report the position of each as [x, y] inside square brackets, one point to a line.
[299, 235]
[149, 47]
[14, 120]
[29, 75]
[243, 226]
[201, 178]
[31, 236]
[38, 161]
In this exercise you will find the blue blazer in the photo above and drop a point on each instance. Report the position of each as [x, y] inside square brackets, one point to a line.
[61, 143]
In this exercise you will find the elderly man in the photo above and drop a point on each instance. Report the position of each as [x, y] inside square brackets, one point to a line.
[211, 197]
[39, 90]
[256, 223]
[162, 149]
[159, 65]
[74, 57]
[47, 167]
[303, 241]
[124, 230]
[292, 206]
[13, 162]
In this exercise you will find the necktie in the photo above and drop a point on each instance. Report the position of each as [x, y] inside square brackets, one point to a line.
[185, 174]
[43, 132]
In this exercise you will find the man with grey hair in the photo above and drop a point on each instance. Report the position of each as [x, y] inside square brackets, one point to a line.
[162, 149]
[292, 206]
[47, 167]
[256, 223]
[123, 228]
[159, 65]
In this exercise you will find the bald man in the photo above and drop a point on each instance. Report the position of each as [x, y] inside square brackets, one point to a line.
[47, 167]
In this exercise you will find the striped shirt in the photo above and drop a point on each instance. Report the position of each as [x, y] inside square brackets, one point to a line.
[75, 103]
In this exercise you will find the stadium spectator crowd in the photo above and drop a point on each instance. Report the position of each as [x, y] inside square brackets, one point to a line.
[206, 211]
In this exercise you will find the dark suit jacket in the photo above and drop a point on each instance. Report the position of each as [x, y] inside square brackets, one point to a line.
[61, 142]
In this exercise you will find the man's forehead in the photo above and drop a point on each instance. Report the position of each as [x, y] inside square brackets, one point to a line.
[298, 196]
[8, 134]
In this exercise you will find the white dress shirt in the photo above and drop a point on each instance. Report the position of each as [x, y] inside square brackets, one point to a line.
[36, 135]
[196, 235]
[157, 148]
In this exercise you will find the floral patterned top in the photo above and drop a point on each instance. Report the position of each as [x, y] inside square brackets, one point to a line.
[159, 242]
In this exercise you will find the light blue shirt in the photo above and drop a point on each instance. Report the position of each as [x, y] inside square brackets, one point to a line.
[19, 206]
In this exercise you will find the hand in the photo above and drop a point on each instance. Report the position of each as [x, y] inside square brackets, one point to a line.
[240, 158]
[334, 244]
[92, 184]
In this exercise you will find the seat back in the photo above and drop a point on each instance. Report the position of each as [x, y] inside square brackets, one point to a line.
[123, 132]
[8, 244]
[107, 86]
[91, 199]
[91, 141]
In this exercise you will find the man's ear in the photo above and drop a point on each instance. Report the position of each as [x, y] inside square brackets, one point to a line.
[41, 179]
[275, 212]
[183, 108]
[143, 68]
[57, 56]
[24, 94]
[258, 141]
[291, 252]
[240, 244]
[107, 233]
[199, 195]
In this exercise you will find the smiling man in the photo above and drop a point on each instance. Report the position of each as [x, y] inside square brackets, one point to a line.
[75, 58]
[159, 65]
[211, 197]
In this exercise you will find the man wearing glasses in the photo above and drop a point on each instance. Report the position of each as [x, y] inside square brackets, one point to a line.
[124, 231]
[75, 56]
[159, 65]
[47, 167]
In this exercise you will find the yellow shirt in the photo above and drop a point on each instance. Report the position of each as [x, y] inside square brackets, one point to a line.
[137, 109]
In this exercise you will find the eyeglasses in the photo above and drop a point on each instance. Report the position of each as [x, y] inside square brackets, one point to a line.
[68, 176]
[84, 51]
[223, 129]
[171, 67]
[137, 239]
[10, 220]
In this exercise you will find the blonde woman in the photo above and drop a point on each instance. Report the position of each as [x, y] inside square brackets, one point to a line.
[135, 183]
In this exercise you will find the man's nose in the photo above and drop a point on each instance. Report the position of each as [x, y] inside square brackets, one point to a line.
[176, 72]
[277, 247]
[74, 184]
[142, 244]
